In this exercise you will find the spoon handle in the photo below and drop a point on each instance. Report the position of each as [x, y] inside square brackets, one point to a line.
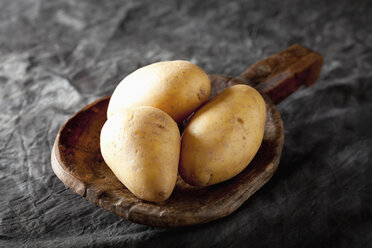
[281, 74]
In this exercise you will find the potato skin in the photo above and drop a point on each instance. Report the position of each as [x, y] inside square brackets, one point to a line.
[223, 136]
[141, 146]
[176, 87]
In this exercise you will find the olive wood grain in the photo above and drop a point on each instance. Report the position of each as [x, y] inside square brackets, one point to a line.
[77, 162]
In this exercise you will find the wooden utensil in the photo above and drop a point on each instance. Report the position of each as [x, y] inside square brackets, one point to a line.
[77, 161]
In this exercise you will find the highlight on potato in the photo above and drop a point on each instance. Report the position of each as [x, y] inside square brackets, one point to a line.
[176, 87]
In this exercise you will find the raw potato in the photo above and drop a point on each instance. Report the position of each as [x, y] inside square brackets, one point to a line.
[141, 146]
[223, 136]
[176, 87]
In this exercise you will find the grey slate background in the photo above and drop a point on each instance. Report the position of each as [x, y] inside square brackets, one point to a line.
[57, 56]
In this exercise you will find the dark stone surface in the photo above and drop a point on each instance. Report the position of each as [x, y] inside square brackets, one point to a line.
[57, 56]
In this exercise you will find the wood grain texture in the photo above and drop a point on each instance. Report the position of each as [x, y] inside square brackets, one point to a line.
[77, 161]
[281, 74]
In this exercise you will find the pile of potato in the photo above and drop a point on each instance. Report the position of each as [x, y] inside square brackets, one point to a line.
[141, 142]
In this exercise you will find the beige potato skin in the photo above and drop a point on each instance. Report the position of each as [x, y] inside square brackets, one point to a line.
[141, 146]
[176, 87]
[223, 136]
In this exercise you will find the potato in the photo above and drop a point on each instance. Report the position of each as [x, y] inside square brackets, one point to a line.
[141, 146]
[223, 136]
[176, 87]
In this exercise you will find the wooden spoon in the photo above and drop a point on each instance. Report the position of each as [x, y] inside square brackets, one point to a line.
[77, 161]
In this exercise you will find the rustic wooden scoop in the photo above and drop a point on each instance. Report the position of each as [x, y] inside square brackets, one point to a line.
[77, 161]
